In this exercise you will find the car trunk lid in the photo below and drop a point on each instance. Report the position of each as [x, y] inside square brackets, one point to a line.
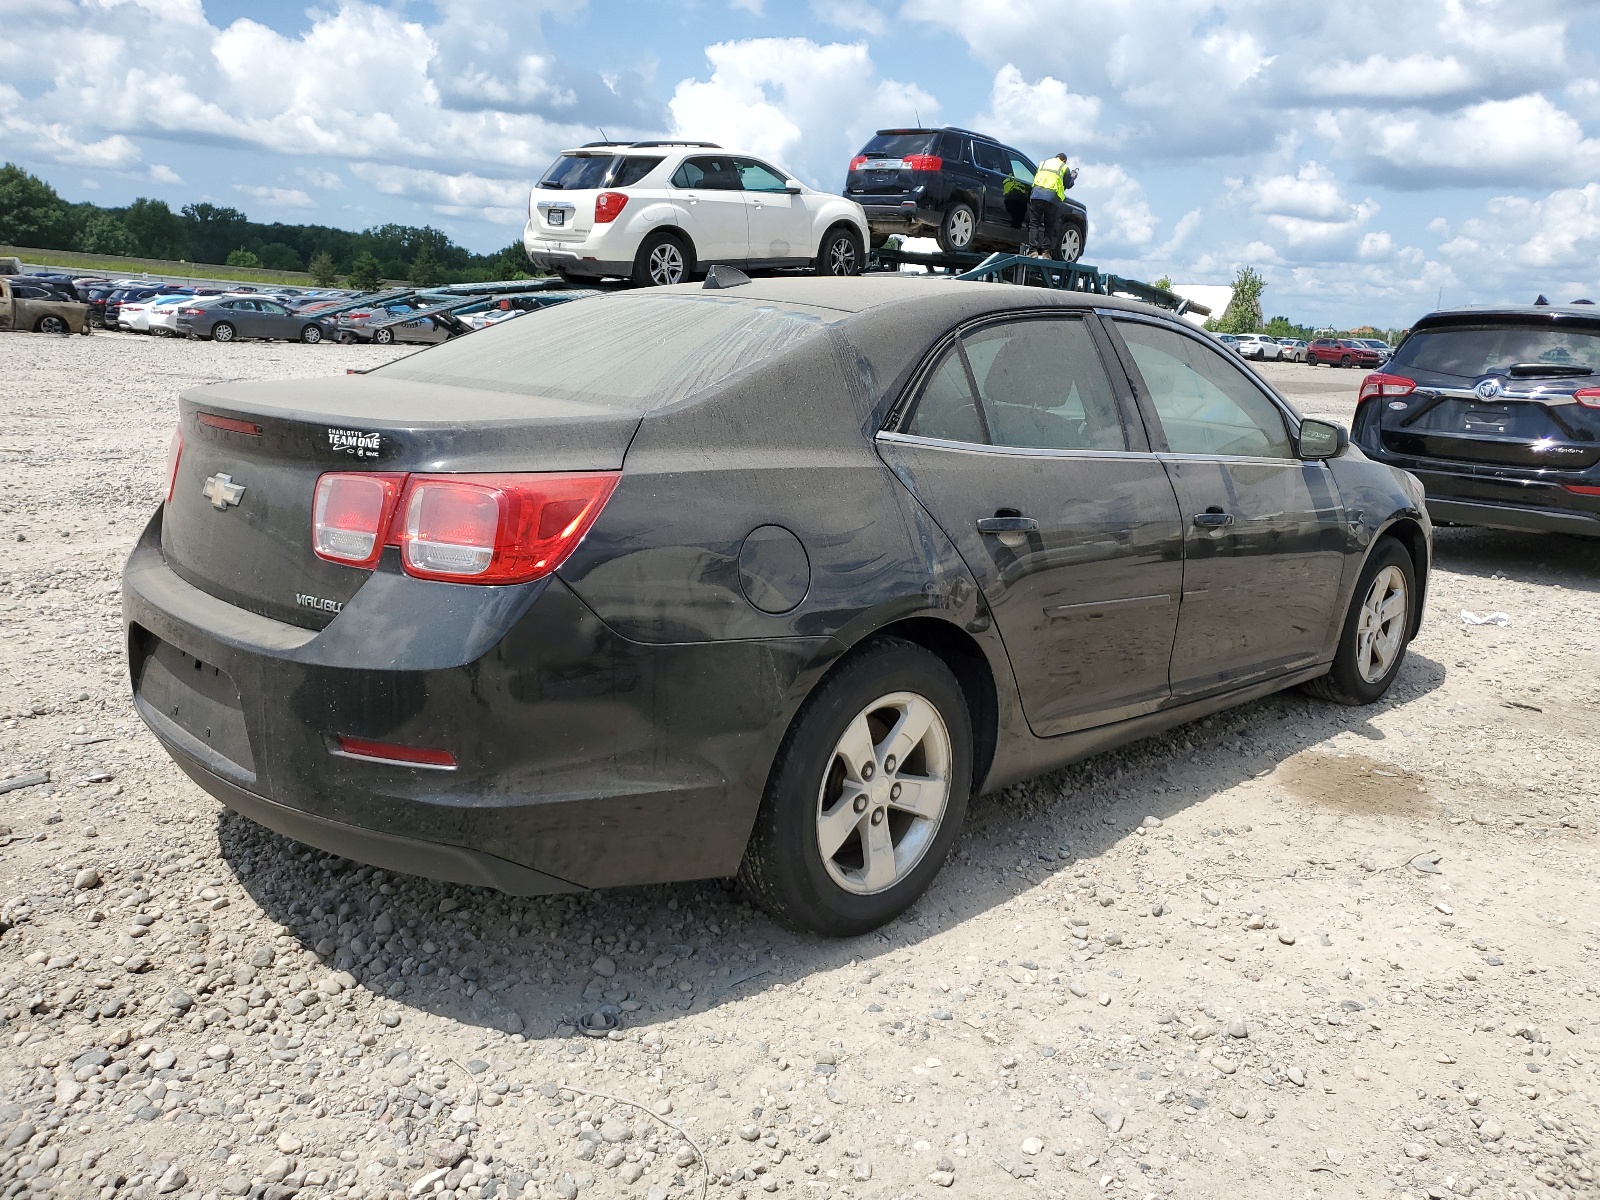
[887, 165]
[238, 525]
[1502, 423]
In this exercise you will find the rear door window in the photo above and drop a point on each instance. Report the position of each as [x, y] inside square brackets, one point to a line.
[955, 148]
[1043, 386]
[711, 173]
[990, 157]
[947, 409]
[1205, 404]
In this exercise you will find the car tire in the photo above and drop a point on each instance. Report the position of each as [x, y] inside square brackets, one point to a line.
[663, 260]
[311, 334]
[223, 332]
[50, 323]
[382, 337]
[1377, 629]
[1072, 244]
[1344, 360]
[885, 854]
[840, 253]
[958, 229]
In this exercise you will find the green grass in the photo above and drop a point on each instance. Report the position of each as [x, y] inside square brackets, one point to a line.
[119, 267]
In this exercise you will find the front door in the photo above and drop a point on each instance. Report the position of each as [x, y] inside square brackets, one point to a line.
[1264, 531]
[780, 225]
[1019, 449]
[708, 197]
[275, 321]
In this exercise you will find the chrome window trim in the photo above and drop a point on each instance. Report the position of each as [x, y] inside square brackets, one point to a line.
[911, 439]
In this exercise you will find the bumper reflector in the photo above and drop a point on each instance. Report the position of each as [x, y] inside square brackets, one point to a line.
[389, 752]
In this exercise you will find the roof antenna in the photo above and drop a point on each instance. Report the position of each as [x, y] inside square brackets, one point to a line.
[603, 136]
[919, 118]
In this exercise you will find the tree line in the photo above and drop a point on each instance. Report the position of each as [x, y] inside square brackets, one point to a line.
[33, 214]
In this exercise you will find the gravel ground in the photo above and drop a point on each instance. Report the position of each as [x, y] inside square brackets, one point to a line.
[1292, 949]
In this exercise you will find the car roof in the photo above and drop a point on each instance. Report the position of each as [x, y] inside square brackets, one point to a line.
[1503, 313]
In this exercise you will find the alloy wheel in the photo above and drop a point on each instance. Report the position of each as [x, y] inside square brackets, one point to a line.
[842, 257]
[1381, 631]
[1071, 246]
[52, 324]
[222, 333]
[961, 228]
[884, 793]
[666, 264]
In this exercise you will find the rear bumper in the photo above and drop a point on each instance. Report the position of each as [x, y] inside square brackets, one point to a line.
[584, 759]
[1514, 516]
[593, 256]
[899, 217]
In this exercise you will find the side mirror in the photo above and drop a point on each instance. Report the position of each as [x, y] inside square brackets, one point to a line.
[792, 186]
[1322, 439]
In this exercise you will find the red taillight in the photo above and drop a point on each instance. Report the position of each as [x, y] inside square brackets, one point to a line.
[1378, 384]
[1588, 397]
[924, 162]
[351, 514]
[497, 528]
[858, 162]
[1582, 489]
[174, 453]
[230, 424]
[192, 312]
[608, 206]
[390, 752]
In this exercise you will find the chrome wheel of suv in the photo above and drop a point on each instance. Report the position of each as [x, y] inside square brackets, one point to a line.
[960, 224]
[665, 264]
[1071, 245]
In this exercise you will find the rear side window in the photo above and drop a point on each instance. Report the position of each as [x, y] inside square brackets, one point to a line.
[629, 352]
[955, 147]
[1043, 386]
[577, 172]
[1205, 404]
[991, 157]
[1494, 349]
[631, 168]
[898, 145]
[946, 409]
[711, 173]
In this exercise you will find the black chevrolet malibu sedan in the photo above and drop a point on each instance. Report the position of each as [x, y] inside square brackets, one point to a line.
[764, 580]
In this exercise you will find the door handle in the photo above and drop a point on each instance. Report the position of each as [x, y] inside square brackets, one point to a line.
[1007, 525]
[1213, 518]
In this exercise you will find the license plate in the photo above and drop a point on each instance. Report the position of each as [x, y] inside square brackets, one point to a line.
[1487, 418]
[556, 217]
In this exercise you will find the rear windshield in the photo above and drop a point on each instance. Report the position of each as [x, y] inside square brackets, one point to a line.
[629, 352]
[898, 145]
[580, 172]
[1494, 349]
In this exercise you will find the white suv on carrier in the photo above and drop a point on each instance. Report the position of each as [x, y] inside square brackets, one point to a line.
[658, 212]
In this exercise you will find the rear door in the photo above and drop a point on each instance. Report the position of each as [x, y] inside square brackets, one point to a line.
[1497, 395]
[1018, 446]
[708, 194]
[994, 169]
[779, 224]
[1264, 536]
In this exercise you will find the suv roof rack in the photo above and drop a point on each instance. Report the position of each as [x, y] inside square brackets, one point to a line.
[972, 133]
[705, 145]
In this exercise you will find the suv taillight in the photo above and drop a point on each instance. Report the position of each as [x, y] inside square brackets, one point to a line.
[858, 162]
[174, 453]
[1378, 384]
[497, 528]
[1588, 397]
[351, 514]
[924, 162]
[608, 206]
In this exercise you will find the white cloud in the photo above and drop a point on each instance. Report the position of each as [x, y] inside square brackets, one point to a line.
[457, 194]
[851, 15]
[1044, 116]
[327, 181]
[276, 196]
[1308, 209]
[1519, 141]
[57, 140]
[1379, 77]
[806, 106]
[161, 173]
[1556, 234]
[1119, 214]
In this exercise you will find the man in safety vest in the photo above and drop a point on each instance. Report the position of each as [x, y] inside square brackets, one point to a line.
[1050, 184]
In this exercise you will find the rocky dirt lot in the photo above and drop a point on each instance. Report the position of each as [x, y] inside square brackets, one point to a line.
[1293, 950]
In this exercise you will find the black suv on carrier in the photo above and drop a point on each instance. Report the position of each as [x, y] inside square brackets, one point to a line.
[965, 188]
[1497, 411]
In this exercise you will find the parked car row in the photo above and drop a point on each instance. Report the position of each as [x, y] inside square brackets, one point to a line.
[1333, 352]
[662, 212]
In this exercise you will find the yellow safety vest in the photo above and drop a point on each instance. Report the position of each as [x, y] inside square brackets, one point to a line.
[1052, 174]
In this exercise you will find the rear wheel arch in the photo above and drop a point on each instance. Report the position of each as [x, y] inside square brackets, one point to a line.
[1408, 532]
[965, 657]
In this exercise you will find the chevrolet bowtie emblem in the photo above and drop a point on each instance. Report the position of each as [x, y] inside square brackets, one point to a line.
[222, 491]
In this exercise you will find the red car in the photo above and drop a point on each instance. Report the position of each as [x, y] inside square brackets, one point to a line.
[1341, 352]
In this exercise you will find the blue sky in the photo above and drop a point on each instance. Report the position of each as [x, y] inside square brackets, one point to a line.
[1366, 157]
